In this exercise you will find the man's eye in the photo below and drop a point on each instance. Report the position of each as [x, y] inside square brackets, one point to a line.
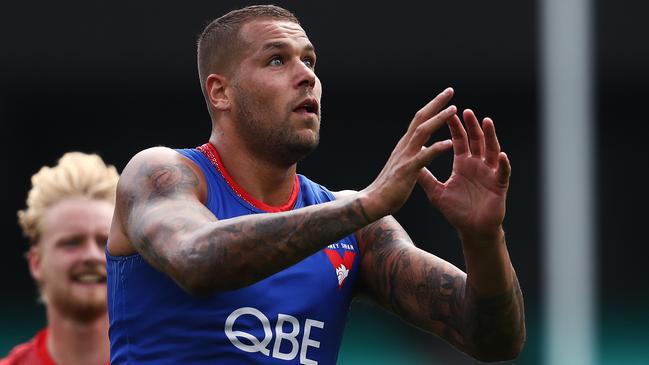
[308, 62]
[102, 240]
[275, 61]
[73, 242]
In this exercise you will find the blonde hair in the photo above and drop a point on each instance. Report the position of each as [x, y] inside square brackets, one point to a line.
[76, 174]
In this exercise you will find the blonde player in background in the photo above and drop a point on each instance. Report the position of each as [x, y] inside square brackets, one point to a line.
[67, 220]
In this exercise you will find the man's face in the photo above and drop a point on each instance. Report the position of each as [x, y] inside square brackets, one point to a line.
[69, 260]
[276, 94]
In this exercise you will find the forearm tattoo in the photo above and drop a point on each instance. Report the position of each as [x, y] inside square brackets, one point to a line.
[434, 295]
[495, 325]
[184, 239]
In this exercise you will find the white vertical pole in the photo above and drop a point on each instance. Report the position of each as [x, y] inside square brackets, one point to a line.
[568, 139]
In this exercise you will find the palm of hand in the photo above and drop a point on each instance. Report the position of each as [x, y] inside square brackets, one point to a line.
[473, 197]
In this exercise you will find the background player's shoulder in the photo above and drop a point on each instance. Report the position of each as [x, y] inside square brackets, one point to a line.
[22, 354]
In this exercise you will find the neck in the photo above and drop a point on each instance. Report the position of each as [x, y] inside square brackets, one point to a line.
[265, 181]
[72, 342]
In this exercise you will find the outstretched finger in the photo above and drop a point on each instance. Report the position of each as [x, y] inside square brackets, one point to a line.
[458, 134]
[476, 136]
[423, 132]
[429, 110]
[428, 154]
[492, 147]
[504, 170]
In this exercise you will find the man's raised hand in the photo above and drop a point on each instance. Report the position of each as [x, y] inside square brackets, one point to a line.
[473, 197]
[395, 182]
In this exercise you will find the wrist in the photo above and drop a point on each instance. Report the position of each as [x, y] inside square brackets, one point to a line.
[483, 239]
[372, 204]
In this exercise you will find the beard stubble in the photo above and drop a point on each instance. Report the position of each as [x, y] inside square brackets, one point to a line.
[276, 141]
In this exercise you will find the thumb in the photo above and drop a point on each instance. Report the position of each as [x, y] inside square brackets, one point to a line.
[429, 183]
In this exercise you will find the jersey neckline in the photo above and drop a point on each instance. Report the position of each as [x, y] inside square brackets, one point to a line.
[212, 154]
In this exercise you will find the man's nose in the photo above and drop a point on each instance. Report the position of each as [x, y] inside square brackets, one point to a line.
[94, 250]
[305, 76]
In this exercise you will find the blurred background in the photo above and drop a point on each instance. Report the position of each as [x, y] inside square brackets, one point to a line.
[115, 77]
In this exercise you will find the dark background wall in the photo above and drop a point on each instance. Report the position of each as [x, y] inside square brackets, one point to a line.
[115, 77]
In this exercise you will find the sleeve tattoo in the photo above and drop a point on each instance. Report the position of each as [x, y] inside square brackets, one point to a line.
[181, 237]
[433, 294]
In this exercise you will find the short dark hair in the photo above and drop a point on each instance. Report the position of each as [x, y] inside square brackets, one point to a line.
[219, 43]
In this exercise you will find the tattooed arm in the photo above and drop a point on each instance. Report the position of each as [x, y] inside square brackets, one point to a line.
[436, 296]
[481, 312]
[159, 213]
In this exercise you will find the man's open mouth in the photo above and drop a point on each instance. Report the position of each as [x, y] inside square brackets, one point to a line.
[307, 106]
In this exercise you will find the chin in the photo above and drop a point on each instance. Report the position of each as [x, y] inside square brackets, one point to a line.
[303, 148]
[83, 305]
[88, 309]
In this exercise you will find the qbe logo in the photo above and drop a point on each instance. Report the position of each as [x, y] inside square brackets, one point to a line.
[264, 345]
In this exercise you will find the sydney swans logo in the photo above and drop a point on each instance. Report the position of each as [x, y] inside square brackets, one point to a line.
[342, 265]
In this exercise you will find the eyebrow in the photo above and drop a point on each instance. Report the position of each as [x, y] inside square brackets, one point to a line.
[284, 45]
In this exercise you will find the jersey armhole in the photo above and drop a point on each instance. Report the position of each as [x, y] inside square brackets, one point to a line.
[191, 155]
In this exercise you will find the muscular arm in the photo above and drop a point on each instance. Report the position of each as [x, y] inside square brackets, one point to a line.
[159, 206]
[434, 295]
[481, 312]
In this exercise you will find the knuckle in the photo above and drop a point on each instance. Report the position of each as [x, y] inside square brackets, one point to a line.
[416, 135]
[422, 129]
[402, 170]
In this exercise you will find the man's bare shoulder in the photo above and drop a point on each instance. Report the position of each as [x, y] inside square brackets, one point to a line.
[155, 179]
[159, 167]
[158, 155]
